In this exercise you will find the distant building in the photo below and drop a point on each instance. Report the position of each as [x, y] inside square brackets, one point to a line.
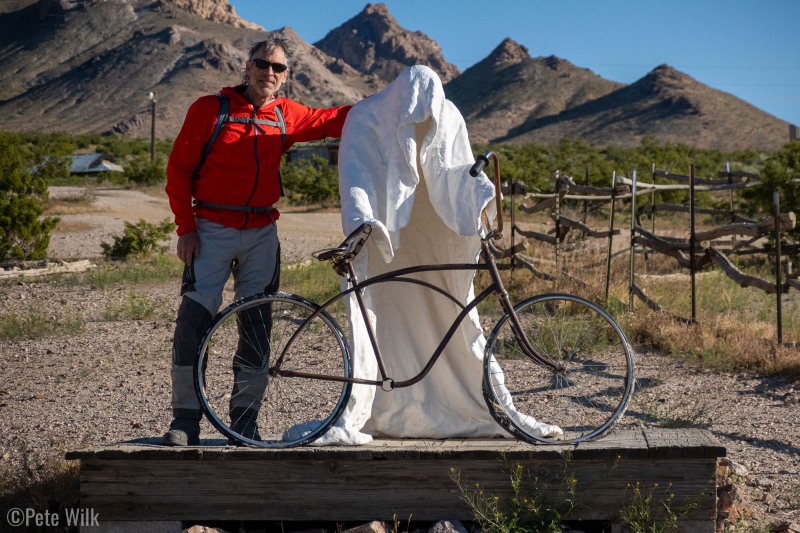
[327, 150]
[91, 164]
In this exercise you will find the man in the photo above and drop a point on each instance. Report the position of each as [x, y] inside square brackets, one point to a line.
[222, 198]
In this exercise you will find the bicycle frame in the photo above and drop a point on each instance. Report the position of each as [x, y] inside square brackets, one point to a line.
[386, 382]
[560, 344]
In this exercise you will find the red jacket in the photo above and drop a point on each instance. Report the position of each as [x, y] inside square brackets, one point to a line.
[242, 167]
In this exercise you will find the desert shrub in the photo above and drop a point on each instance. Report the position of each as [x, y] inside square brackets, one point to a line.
[780, 174]
[24, 233]
[534, 163]
[155, 268]
[142, 171]
[39, 482]
[311, 181]
[141, 238]
[136, 306]
[527, 510]
[37, 322]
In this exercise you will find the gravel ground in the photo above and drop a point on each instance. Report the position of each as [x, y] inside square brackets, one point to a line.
[110, 380]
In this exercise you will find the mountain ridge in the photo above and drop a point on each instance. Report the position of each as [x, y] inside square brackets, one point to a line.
[86, 66]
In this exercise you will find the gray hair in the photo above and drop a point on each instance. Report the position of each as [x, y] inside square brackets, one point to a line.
[269, 45]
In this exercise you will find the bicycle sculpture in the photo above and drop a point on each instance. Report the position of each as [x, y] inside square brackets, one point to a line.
[556, 357]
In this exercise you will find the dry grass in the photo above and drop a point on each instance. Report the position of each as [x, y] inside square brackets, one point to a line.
[736, 328]
[155, 191]
[74, 226]
[42, 483]
[74, 204]
[726, 343]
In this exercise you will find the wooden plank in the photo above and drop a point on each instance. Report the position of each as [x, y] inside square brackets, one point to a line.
[737, 177]
[649, 187]
[48, 269]
[398, 478]
[350, 490]
[627, 443]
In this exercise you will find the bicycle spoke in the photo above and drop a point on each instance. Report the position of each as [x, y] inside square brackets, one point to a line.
[252, 405]
[591, 379]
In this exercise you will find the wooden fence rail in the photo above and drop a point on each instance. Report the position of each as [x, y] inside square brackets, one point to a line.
[702, 250]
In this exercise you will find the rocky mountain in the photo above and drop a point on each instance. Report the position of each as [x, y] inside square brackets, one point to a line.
[666, 104]
[374, 44]
[510, 88]
[87, 66]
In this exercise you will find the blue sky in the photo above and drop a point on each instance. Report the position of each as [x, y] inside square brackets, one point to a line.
[748, 48]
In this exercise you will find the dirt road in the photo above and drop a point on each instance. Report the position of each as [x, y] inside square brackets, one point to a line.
[91, 217]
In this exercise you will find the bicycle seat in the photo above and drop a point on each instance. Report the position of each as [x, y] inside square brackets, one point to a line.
[350, 246]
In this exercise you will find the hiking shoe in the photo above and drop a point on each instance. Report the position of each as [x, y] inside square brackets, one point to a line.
[182, 432]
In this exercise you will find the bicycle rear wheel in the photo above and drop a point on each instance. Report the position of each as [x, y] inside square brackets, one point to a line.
[241, 371]
[586, 392]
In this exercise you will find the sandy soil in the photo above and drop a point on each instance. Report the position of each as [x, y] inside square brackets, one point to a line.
[80, 234]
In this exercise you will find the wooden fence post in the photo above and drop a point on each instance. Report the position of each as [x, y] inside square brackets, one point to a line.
[730, 197]
[776, 211]
[586, 202]
[653, 205]
[513, 191]
[633, 243]
[692, 243]
[611, 232]
[558, 226]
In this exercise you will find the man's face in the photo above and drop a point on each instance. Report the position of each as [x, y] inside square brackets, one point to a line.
[265, 82]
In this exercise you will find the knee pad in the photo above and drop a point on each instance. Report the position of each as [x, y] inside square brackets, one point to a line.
[191, 324]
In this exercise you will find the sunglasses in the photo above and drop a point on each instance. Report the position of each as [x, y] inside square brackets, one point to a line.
[263, 64]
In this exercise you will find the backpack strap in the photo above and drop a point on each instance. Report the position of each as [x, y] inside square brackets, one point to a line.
[222, 118]
[227, 207]
[281, 125]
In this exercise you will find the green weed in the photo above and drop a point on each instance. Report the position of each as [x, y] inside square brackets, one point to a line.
[135, 306]
[649, 513]
[159, 268]
[314, 280]
[527, 510]
[36, 323]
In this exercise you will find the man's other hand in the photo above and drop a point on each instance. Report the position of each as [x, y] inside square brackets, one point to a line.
[188, 247]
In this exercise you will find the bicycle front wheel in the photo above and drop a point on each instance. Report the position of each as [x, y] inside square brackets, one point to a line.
[584, 385]
[266, 374]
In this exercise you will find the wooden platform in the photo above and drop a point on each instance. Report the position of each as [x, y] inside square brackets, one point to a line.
[141, 481]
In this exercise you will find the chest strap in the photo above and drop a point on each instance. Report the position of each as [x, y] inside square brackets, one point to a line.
[223, 117]
[244, 208]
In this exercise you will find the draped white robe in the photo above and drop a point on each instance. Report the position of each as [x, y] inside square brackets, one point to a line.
[404, 162]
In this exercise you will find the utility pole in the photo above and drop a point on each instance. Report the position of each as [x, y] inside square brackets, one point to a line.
[153, 101]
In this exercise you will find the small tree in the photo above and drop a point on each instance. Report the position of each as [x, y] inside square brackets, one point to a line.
[141, 239]
[24, 233]
[780, 172]
[143, 172]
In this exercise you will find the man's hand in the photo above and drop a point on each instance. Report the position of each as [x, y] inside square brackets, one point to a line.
[188, 247]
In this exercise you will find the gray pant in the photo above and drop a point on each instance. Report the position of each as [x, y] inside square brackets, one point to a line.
[253, 258]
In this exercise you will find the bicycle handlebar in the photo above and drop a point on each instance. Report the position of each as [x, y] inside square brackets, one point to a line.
[480, 164]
